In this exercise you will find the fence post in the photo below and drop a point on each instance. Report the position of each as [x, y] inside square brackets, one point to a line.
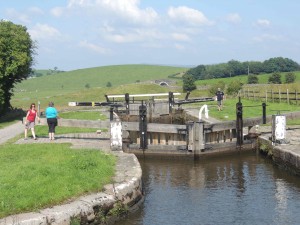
[287, 96]
[296, 97]
[279, 95]
[272, 96]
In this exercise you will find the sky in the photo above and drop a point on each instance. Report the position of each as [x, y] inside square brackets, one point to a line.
[77, 34]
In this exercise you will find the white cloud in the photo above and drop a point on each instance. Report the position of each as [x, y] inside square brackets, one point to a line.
[263, 23]
[57, 11]
[132, 35]
[217, 39]
[14, 14]
[180, 37]
[188, 15]
[44, 31]
[179, 47]
[36, 11]
[124, 38]
[233, 18]
[128, 9]
[93, 47]
[268, 37]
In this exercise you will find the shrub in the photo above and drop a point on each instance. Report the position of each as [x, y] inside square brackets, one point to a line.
[290, 78]
[275, 78]
[252, 79]
[234, 87]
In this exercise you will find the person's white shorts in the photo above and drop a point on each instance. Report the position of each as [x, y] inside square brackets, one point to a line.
[29, 125]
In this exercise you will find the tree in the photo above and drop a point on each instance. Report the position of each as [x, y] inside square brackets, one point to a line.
[234, 87]
[198, 72]
[290, 78]
[16, 59]
[280, 64]
[188, 82]
[252, 79]
[236, 68]
[108, 84]
[275, 78]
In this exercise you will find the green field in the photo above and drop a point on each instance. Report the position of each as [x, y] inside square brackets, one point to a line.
[90, 84]
[262, 79]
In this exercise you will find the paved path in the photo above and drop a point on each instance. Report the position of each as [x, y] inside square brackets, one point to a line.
[80, 140]
[11, 131]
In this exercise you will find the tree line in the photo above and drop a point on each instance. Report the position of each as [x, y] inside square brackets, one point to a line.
[235, 68]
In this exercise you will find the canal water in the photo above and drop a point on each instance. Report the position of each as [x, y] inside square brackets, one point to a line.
[234, 189]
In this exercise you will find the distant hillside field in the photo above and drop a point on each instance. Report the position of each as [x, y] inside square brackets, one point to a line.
[262, 79]
[77, 84]
[98, 77]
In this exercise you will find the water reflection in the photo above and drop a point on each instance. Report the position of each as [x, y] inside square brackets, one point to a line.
[239, 189]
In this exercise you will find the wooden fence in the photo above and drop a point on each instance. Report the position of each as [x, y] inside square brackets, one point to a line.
[279, 95]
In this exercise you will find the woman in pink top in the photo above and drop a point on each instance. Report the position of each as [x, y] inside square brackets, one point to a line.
[30, 121]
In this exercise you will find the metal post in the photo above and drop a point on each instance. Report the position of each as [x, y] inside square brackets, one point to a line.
[111, 114]
[127, 103]
[239, 123]
[143, 126]
[264, 117]
[39, 108]
[171, 101]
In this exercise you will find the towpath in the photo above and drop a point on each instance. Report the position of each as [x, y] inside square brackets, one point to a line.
[79, 140]
[11, 131]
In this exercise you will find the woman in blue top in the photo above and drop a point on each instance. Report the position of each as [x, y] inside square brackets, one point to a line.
[52, 116]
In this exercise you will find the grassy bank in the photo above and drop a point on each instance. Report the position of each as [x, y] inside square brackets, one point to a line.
[34, 176]
[55, 172]
[250, 109]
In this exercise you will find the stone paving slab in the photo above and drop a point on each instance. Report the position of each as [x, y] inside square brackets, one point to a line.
[79, 140]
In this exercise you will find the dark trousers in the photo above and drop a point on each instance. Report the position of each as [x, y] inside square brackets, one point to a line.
[52, 123]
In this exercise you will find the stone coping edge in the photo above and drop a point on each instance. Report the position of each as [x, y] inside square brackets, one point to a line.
[284, 156]
[126, 189]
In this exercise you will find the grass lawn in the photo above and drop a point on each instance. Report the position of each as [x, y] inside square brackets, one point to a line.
[251, 109]
[83, 115]
[54, 171]
[35, 176]
[42, 130]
